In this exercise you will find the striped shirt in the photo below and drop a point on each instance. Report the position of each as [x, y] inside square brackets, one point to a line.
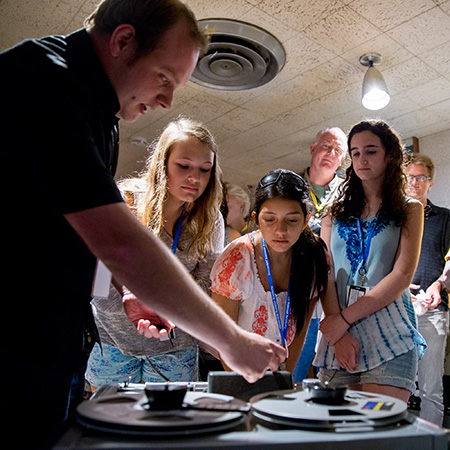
[435, 245]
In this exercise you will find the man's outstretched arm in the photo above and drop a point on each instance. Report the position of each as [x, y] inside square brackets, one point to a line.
[140, 261]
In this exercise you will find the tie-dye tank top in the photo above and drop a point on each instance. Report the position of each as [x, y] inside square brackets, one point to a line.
[390, 332]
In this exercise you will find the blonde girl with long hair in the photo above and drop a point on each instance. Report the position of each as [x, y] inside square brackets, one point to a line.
[177, 197]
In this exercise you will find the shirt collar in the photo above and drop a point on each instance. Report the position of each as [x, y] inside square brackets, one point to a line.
[430, 209]
[90, 72]
[328, 187]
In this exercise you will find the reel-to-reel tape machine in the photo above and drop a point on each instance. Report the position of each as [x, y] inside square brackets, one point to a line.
[124, 417]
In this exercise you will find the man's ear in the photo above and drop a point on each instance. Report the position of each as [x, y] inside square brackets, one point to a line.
[123, 41]
[253, 214]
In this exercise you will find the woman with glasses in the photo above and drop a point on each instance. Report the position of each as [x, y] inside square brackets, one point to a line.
[177, 197]
[373, 233]
[269, 280]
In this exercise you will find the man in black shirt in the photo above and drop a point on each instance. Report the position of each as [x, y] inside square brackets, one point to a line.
[434, 324]
[62, 210]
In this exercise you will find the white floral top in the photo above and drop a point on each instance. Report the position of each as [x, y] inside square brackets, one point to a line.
[235, 275]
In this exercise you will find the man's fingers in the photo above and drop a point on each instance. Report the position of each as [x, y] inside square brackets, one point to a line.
[278, 355]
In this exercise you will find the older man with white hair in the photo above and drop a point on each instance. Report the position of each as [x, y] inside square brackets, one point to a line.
[328, 152]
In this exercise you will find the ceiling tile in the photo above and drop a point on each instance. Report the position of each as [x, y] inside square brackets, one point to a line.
[262, 19]
[424, 32]
[391, 52]
[407, 75]
[429, 93]
[320, 85]
[219, 9]
[445, 6]
[439, 59]
[342, 30]
[299, 14]
[387, 14]
[49, 18]
[302, 54]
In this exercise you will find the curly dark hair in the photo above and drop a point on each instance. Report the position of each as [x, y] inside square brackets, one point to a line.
[351, 201]
[309, 270]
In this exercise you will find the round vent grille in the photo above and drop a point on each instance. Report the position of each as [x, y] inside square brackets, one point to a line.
[239, 56]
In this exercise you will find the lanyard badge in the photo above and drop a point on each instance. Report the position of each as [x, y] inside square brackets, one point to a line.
[171, 334]
[354, 293]
[177, 234]
[364, 250]
[282, 327]
[324, 202]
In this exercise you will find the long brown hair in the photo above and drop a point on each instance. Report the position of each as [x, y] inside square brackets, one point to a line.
[351, 201]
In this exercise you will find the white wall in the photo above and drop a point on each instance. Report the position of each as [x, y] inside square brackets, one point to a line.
[437, 147]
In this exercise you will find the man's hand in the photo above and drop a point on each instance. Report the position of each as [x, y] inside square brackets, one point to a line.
[429, 299]
[251, 355]
[347, 352]
[147, 322]
[434, 295]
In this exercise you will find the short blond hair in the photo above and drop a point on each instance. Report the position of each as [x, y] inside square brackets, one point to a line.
[241, 195]
[420, 159]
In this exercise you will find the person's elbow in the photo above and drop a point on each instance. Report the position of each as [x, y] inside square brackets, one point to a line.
[404, 278]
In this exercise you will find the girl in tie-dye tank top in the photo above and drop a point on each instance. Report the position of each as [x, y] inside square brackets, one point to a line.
[373, 233]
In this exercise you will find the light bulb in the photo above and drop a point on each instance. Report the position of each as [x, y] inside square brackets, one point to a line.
[376, 99]
[375, 94]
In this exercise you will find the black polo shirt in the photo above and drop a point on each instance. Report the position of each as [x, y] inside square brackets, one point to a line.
[435, 245]
[61, 160]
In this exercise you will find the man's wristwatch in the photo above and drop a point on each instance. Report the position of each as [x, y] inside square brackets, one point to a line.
[441, 283]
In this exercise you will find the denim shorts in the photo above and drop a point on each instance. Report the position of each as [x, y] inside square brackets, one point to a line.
[400, 372]
[112, 366]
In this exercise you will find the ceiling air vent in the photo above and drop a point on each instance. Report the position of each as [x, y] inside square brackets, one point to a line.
[239, 56]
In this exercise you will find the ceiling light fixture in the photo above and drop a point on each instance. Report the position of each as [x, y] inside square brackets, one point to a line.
[239, 56]
[139, 141]
[375, 94]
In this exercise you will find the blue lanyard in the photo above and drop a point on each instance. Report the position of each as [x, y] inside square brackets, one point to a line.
[365, 249]
[177, 234]
[283, 329]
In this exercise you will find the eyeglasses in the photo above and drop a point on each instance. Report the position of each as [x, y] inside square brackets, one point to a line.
[338, 151]
[419, 178]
